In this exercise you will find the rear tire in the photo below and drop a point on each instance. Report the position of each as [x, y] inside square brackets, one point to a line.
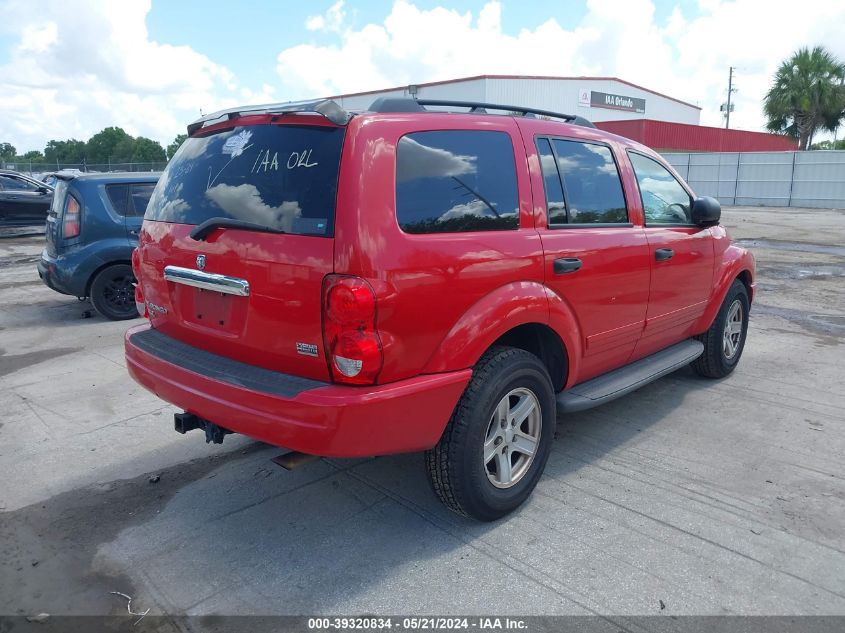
[113, 293]
[725, 340]
[494, 449]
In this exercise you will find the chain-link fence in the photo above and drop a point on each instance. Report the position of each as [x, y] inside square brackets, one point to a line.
[37, 169]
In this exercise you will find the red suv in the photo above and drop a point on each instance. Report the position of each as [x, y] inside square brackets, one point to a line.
[437, 279]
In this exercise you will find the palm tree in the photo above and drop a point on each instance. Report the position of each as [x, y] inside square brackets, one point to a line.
[807, 95]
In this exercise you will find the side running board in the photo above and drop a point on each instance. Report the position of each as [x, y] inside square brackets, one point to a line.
[626, 379]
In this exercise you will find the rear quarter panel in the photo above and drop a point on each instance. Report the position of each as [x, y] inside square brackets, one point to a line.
[429, 286]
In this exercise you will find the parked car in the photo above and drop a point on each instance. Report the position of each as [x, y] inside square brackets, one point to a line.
[407, 280]
[23, 200]
[92, 229]
[53, 177]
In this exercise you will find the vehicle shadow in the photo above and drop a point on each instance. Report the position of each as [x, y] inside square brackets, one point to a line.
[588, 436]
[354, 535]
[54, 310]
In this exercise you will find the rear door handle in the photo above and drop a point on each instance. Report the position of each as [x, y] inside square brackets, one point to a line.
[664, 254]
[566, 265]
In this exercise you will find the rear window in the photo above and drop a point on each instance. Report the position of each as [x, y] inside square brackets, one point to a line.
[456, 181]
[281, 176]
[57, 205]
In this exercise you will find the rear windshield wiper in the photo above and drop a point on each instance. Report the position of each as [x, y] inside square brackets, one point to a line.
[203, 230]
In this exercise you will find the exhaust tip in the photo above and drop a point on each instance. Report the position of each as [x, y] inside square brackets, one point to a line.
[294, 459]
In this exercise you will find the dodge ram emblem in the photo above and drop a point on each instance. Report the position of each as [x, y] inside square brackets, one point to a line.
[201, 262]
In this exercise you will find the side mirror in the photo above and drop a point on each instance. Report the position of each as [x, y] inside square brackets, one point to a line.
[706, 211]
[44, 189]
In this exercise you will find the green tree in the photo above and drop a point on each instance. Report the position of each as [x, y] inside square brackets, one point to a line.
[112, 144]
[175, 145]
[34, 155]
[8, 151]
[807, 95]
[840, 144]
[70, 151]
[147, 151]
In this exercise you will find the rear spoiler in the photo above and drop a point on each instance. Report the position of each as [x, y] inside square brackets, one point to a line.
[67, 176]
[326, 107]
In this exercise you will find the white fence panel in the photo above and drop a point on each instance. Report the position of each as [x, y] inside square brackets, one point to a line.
[797, 179]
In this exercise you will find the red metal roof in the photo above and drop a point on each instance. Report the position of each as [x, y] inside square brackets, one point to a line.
[662, 135]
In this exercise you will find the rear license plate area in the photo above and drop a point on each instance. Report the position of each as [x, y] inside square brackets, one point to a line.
[211, 309]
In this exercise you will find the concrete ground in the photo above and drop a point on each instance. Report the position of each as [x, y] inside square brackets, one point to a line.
[687, 497]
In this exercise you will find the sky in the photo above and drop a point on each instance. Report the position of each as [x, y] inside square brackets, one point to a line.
[69, 69]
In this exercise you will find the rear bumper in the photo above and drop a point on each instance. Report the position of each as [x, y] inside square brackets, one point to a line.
[49, 273]
[320, 419]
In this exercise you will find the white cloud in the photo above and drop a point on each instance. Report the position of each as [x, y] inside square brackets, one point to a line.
[685, 56]
[76, 67]
[332, 20]
[93, 64]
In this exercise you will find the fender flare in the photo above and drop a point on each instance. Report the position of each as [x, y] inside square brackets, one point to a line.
[506, 307]
[734, 263]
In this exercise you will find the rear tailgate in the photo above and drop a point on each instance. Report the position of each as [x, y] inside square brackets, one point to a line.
[268, 312]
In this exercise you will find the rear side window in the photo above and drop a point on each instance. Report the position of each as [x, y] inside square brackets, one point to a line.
[139, 196]
[117, 196]
[665, 201]
[555, 203]
[130, 199]
[591, 183]
[455, 181]
[281, 176]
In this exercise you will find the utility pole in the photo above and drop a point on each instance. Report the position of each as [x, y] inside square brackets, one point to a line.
[730, 91]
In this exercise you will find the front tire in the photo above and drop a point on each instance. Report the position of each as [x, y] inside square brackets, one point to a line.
[725, 340]
[113, 293]
[494, 449]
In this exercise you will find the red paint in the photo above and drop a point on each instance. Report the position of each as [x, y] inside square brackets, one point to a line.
[682, 137]
[332, 421]
[440, 300]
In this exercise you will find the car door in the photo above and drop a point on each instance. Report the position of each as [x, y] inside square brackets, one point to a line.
[23, 202]
[682, 256]
[596, 257]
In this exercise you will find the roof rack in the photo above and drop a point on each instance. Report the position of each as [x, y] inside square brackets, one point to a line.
[326, 107]
[400, 104]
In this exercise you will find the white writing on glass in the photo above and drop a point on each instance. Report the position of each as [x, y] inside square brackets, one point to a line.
[263, 162]
[300, 159]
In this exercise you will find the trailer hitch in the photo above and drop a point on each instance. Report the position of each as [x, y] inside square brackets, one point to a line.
[184, 422]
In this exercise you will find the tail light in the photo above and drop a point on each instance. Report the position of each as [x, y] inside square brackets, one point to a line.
[350, 336]
[71, 222]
